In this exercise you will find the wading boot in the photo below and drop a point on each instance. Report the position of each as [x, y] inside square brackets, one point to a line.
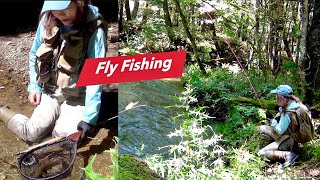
[290, 158]
[6, 114]
[276, 155]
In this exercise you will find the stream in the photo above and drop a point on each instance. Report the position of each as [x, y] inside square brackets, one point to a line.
[144, 129]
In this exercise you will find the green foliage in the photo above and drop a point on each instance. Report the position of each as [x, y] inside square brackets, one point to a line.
[215, 88]
[240, 128]
[131, 167]
[312, 150]
[128, 51]
[245, 165]
[196, 154]
[152, 38]
[202, 152]
[290, 66]
[90, 174]
[215, 149]
[208, 110]
[115, 164]
[316, 96]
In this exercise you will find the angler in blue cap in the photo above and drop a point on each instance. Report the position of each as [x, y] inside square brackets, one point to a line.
[292, 125]
[70, 31]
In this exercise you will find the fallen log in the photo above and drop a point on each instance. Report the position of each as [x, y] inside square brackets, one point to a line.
[269, 106]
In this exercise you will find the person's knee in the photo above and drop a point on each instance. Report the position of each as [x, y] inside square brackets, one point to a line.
[267, 138]
[286, 143]
[63, 132]
[32, 138]
[262, 128]
[21, 126]
[261, 152]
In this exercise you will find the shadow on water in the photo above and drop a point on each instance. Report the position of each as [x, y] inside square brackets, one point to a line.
[147, 126]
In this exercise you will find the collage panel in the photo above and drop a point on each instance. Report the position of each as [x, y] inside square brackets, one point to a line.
[49, 128]
[246, 104]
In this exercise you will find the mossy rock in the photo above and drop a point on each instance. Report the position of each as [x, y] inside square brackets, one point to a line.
[134, 168]
[271, 106]
[316, 107]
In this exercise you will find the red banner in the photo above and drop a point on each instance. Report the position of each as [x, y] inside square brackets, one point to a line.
[132, 68]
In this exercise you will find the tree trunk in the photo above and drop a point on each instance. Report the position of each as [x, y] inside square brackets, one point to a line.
[128, 13]
[145, 13]
[191, 38]
[276, 26]
[167, 19]
[175, 21]
[304, 28]
[135, 9]
[120, 15]
[312, 59]
[287, 46]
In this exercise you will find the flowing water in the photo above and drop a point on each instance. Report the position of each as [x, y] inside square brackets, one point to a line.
[144, 129]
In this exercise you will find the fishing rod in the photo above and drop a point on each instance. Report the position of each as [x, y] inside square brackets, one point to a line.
[130, 106]
[75, 137]
[238, 61]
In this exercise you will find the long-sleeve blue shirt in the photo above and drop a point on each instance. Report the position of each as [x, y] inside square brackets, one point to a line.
[96, 49]
[284, 121]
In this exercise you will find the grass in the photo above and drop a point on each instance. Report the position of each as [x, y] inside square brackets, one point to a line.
[131, 167]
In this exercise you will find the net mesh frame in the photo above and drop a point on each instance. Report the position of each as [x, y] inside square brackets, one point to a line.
[50, 161]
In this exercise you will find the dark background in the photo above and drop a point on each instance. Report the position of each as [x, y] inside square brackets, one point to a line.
[23, 15]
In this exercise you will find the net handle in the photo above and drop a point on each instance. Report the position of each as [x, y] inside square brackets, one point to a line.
[39, 145]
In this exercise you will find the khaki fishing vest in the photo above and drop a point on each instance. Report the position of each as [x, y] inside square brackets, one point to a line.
[60, 57]
[300, 131]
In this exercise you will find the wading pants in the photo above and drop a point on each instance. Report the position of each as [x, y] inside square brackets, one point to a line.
[280, 148]
[55, 113]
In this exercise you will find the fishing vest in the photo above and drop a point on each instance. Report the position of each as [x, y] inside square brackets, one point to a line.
[301, 127]
[60, 57]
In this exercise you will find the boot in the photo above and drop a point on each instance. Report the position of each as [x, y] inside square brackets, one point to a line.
[6, 114]
[288, 156]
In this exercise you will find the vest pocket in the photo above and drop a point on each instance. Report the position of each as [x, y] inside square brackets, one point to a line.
[43, 64]
[67, 83]
[72, 54]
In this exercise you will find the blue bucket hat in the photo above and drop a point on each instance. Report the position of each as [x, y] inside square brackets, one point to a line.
[50, 5]
[283, 90]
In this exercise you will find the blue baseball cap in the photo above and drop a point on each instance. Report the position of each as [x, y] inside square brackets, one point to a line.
[283, 90]
[50, 5]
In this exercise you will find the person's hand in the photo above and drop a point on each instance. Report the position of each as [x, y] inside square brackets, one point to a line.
[34, 98]
[268, 114]
[86, 128]
[277, 118]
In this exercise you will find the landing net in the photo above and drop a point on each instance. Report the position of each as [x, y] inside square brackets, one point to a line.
[51, 161]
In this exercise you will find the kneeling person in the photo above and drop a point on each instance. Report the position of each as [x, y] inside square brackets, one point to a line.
[292, 125]
[69, 32]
